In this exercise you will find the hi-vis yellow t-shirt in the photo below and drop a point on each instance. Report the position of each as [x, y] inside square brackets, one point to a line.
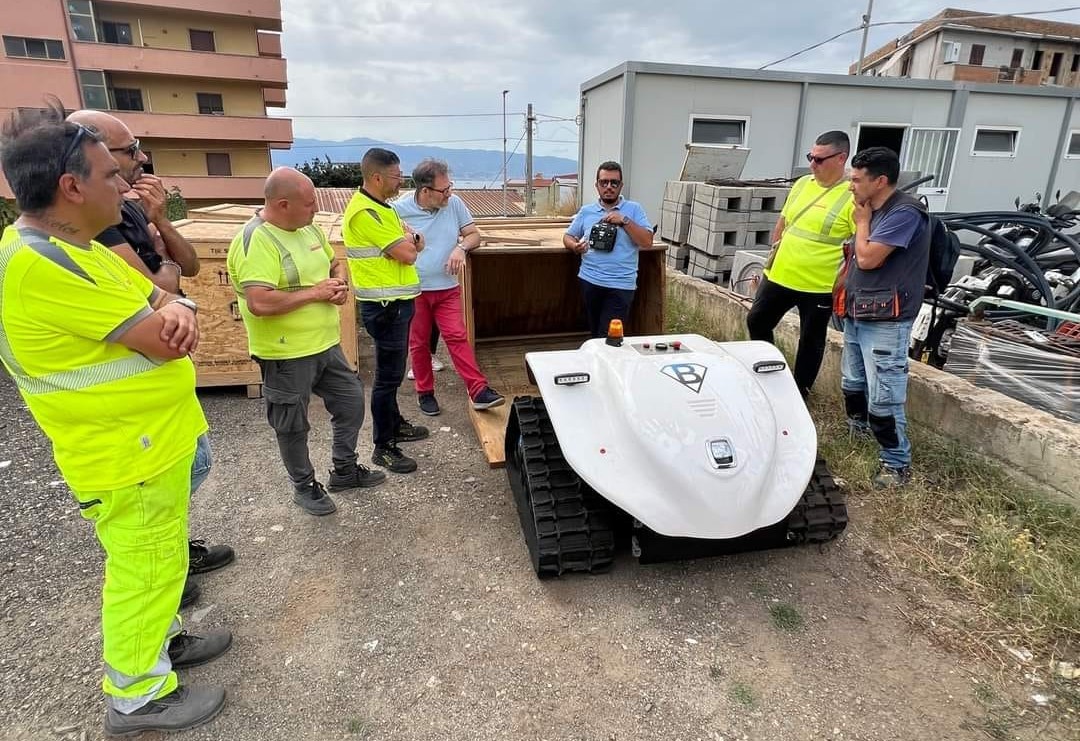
[115, 417]
[812, 245]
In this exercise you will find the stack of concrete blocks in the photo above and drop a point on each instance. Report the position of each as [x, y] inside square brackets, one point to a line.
[724, 219]
[675, 221]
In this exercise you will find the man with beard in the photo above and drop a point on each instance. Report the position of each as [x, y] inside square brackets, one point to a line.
[608, 272]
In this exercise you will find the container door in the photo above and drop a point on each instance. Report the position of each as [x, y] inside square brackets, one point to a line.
[931, 151]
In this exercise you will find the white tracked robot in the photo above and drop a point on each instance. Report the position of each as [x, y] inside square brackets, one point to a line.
[702, 447]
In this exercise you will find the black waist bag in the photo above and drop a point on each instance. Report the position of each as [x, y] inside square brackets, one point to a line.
[875, 304]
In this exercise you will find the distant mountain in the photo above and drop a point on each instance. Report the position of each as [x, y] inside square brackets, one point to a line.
[465, 164]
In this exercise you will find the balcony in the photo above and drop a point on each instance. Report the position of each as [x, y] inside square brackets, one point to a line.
[220, 189]
[270, 71]
[275, 132]
[273, 97]
[269, 44]
[266, 13]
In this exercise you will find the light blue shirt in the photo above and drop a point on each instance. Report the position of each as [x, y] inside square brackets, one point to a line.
[618, 268]
[441, 228]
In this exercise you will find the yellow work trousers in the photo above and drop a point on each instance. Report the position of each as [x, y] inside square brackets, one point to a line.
[143, 529]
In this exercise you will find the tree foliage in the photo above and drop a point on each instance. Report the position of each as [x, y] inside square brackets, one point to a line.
[176, 207]
[8, 213]
[327, 174]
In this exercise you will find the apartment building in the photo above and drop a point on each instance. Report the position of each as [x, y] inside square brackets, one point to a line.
[968, 46]
[192, 79]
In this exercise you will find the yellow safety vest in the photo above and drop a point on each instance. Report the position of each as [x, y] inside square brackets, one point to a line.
[812, 244]
[369, 227]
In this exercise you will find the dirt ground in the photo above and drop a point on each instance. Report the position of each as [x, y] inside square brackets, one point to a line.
[413, 613]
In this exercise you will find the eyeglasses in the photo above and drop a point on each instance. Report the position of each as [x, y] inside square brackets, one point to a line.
[80, 132]
[609, 183]
[130, 150]
[444, 191]
[819, 160]
[392, 176]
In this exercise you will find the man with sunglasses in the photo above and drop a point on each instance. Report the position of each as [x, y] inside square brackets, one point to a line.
[450, 234]
[100, 357]
[808, 240]
[147, 241]
[608, 273]
[145, 238]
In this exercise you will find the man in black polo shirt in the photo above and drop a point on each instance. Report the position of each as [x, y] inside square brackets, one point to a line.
[148, 241]
[881, 295]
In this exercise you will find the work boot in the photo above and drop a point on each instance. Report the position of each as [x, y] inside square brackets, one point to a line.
[203, 558]
[355, 477]
[182, 709]
[887, 476]
[487, 399]
[190, 595]
[859, 429]
[429, 405]
[314, 500]
[187, 650]
[407, 432]
[389, 456]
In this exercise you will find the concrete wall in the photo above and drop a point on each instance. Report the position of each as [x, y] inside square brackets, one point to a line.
[602, 136]
[999, 49]
[178, 94]
[990, 183]
[169, 30]
[1024, 439]
[184, 158]
[841, 107]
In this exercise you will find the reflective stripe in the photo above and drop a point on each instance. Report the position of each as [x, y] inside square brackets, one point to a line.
[384, 293]
[123, 327]
[358, 253]
[795, 231]
[39, 242]
[834, 212]
[288, 264]
[161, 668]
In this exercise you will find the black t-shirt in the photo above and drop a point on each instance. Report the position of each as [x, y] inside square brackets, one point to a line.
[135, 231]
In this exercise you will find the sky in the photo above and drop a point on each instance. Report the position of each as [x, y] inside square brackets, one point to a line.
[379, 69]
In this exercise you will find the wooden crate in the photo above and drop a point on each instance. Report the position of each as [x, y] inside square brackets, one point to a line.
[222, 358]
[521, 298]
[239, 212]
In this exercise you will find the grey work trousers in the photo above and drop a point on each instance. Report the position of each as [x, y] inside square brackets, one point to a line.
[288, 386]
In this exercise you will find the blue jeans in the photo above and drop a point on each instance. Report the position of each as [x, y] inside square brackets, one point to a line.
[388, 325]
[200, 468]
[874, 381]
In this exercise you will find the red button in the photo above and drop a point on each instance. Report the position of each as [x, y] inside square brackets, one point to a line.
[677, 345]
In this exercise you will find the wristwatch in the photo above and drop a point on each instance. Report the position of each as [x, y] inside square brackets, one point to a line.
[187, 304]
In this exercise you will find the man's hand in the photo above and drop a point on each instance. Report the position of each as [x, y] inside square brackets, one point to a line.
[152, 197]
[614, 217]
[456, 263]
[159, 242]
[862, 213]
[181, 330]
[332, 290]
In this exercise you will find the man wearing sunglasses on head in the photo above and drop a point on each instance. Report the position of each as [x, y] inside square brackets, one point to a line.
[816, 220]
[145, 238]
[609, 266]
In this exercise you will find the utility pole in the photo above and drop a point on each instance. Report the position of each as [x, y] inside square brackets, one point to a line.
[528, 161]
[504, 154]
[865, 33]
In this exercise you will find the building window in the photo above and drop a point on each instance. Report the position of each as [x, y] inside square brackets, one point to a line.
[1072, 152]
[210, 104]
[218, 164]
[1075, 63]
[1036, 60]
[148, 166]
[94, 93]
[201, 40]
[127, 99]
[905, 66]
[718, 130]
[995, 142]
[1017, 58]
[81, 15]
[115, 33]
[975, 56]
[17, 46]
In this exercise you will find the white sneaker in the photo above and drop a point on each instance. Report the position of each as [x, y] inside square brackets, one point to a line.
[436, 365]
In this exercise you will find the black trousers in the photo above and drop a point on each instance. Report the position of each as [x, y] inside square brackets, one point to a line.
[771, 302]
[604, 304]
[388, 326]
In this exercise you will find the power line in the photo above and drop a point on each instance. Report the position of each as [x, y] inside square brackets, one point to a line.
[915, 23]
[511, 155]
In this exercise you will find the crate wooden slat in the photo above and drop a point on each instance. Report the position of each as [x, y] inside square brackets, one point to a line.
[222, 358]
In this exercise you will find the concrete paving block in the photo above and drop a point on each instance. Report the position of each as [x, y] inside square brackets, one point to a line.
[680, 191]
[715, 242]
[770, 199]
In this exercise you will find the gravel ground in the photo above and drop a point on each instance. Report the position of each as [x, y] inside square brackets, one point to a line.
[412, 613]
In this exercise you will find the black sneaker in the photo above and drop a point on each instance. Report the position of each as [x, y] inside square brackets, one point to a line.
[390, 457]
[187, 650]
[314, 500]
[407, 432]
[428, 405]
[888, 477]
[182, 709]
[202, 558]
[190, 595]
[358, 477]
[487, 399]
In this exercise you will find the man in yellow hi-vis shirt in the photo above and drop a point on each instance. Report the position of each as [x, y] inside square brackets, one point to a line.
[99, 355]
[814, 224]
[382, 251]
